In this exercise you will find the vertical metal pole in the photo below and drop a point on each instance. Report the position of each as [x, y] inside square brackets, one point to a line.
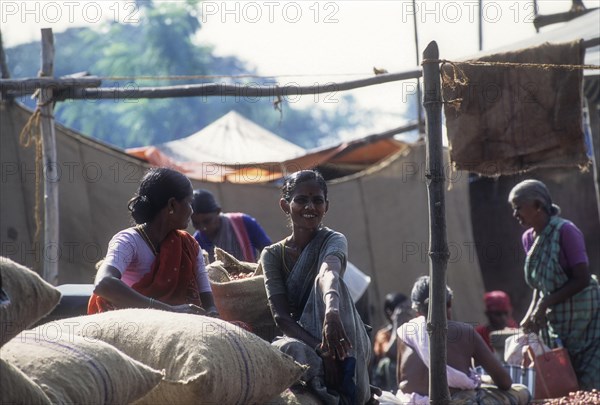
[50, 246]
[437, 322]
[535, 14]
[480, 25]
[417, 55]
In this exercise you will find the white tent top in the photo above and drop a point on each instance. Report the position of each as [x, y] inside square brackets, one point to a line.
[585, 27]
[231, 140]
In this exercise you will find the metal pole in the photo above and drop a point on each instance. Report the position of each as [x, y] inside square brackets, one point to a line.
[535, 14]
[480, 25]
[417, 56]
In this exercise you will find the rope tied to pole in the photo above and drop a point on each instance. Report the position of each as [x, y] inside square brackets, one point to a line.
[457, 77]
[545, 66]
[29, 136]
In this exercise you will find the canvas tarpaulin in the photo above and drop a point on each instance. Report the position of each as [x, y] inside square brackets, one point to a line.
[512, 119]
[382, 211]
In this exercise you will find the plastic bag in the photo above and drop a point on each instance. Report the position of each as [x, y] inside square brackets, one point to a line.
[516, 345]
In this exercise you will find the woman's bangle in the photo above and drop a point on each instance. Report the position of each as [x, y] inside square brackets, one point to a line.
[332, 291]
[318, 349]
[151, 302]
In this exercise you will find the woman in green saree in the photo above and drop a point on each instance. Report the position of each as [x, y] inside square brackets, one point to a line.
[565, 306]
[309, 300]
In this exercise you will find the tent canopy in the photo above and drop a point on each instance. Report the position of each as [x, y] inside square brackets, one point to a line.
[233, 149]
[230, 140]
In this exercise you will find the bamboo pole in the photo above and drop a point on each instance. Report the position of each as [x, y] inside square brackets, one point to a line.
[86, 88]
[23, 87]
[50, 249]
[437, 323]
[243, 90]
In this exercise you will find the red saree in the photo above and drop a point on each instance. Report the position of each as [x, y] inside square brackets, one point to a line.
[172, 278]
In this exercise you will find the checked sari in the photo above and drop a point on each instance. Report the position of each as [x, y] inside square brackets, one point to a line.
[575, 321]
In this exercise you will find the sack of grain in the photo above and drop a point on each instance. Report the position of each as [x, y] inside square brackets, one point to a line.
[31, 298]
[206, 360]
[73, 370]
[217, 273]
[240, 294]
[233, 265]
[17, 388]
[295, 397]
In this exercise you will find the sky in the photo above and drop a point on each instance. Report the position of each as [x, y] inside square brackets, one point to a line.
[307, 42]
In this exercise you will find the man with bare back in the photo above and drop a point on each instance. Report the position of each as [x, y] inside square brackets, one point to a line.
[464, 346]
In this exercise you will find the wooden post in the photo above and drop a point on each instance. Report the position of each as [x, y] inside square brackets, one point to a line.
[4, 73]
[437, 322]
[50, 249]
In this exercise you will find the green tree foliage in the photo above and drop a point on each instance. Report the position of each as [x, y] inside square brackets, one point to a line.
[165, 42]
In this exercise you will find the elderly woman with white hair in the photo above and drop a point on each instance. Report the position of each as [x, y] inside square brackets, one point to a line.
[565, 307]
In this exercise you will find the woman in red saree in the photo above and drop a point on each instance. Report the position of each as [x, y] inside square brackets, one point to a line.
[155, 264]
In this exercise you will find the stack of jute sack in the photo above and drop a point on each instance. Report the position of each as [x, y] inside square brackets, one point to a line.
[140, 356]
[239, 291]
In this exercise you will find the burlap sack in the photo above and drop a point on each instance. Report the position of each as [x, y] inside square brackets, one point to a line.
[17, 388]
[232, 264]
[73, 370]
[244, 299]
[206, 360]
[217, 273]
[31, 298]
[512, 120]
[295, 397]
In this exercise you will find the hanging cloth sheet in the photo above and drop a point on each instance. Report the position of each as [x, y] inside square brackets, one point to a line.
[513, 119]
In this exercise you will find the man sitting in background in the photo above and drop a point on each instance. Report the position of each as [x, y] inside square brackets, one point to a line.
[397, 311]
[498, 310]
[464, 346]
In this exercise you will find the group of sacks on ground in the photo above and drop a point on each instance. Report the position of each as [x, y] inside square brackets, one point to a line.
[143, 356]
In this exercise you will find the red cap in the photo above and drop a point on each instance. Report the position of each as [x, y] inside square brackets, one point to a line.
[497, 301]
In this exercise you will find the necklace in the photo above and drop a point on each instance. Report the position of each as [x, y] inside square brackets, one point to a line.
[283, 255]
[283, 258]
[142, 232]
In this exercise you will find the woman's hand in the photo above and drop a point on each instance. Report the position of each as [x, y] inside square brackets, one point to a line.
[335, 341]
[538, 315]
[213, 312]
[534, 321]
[529, 326]
[188, 309]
